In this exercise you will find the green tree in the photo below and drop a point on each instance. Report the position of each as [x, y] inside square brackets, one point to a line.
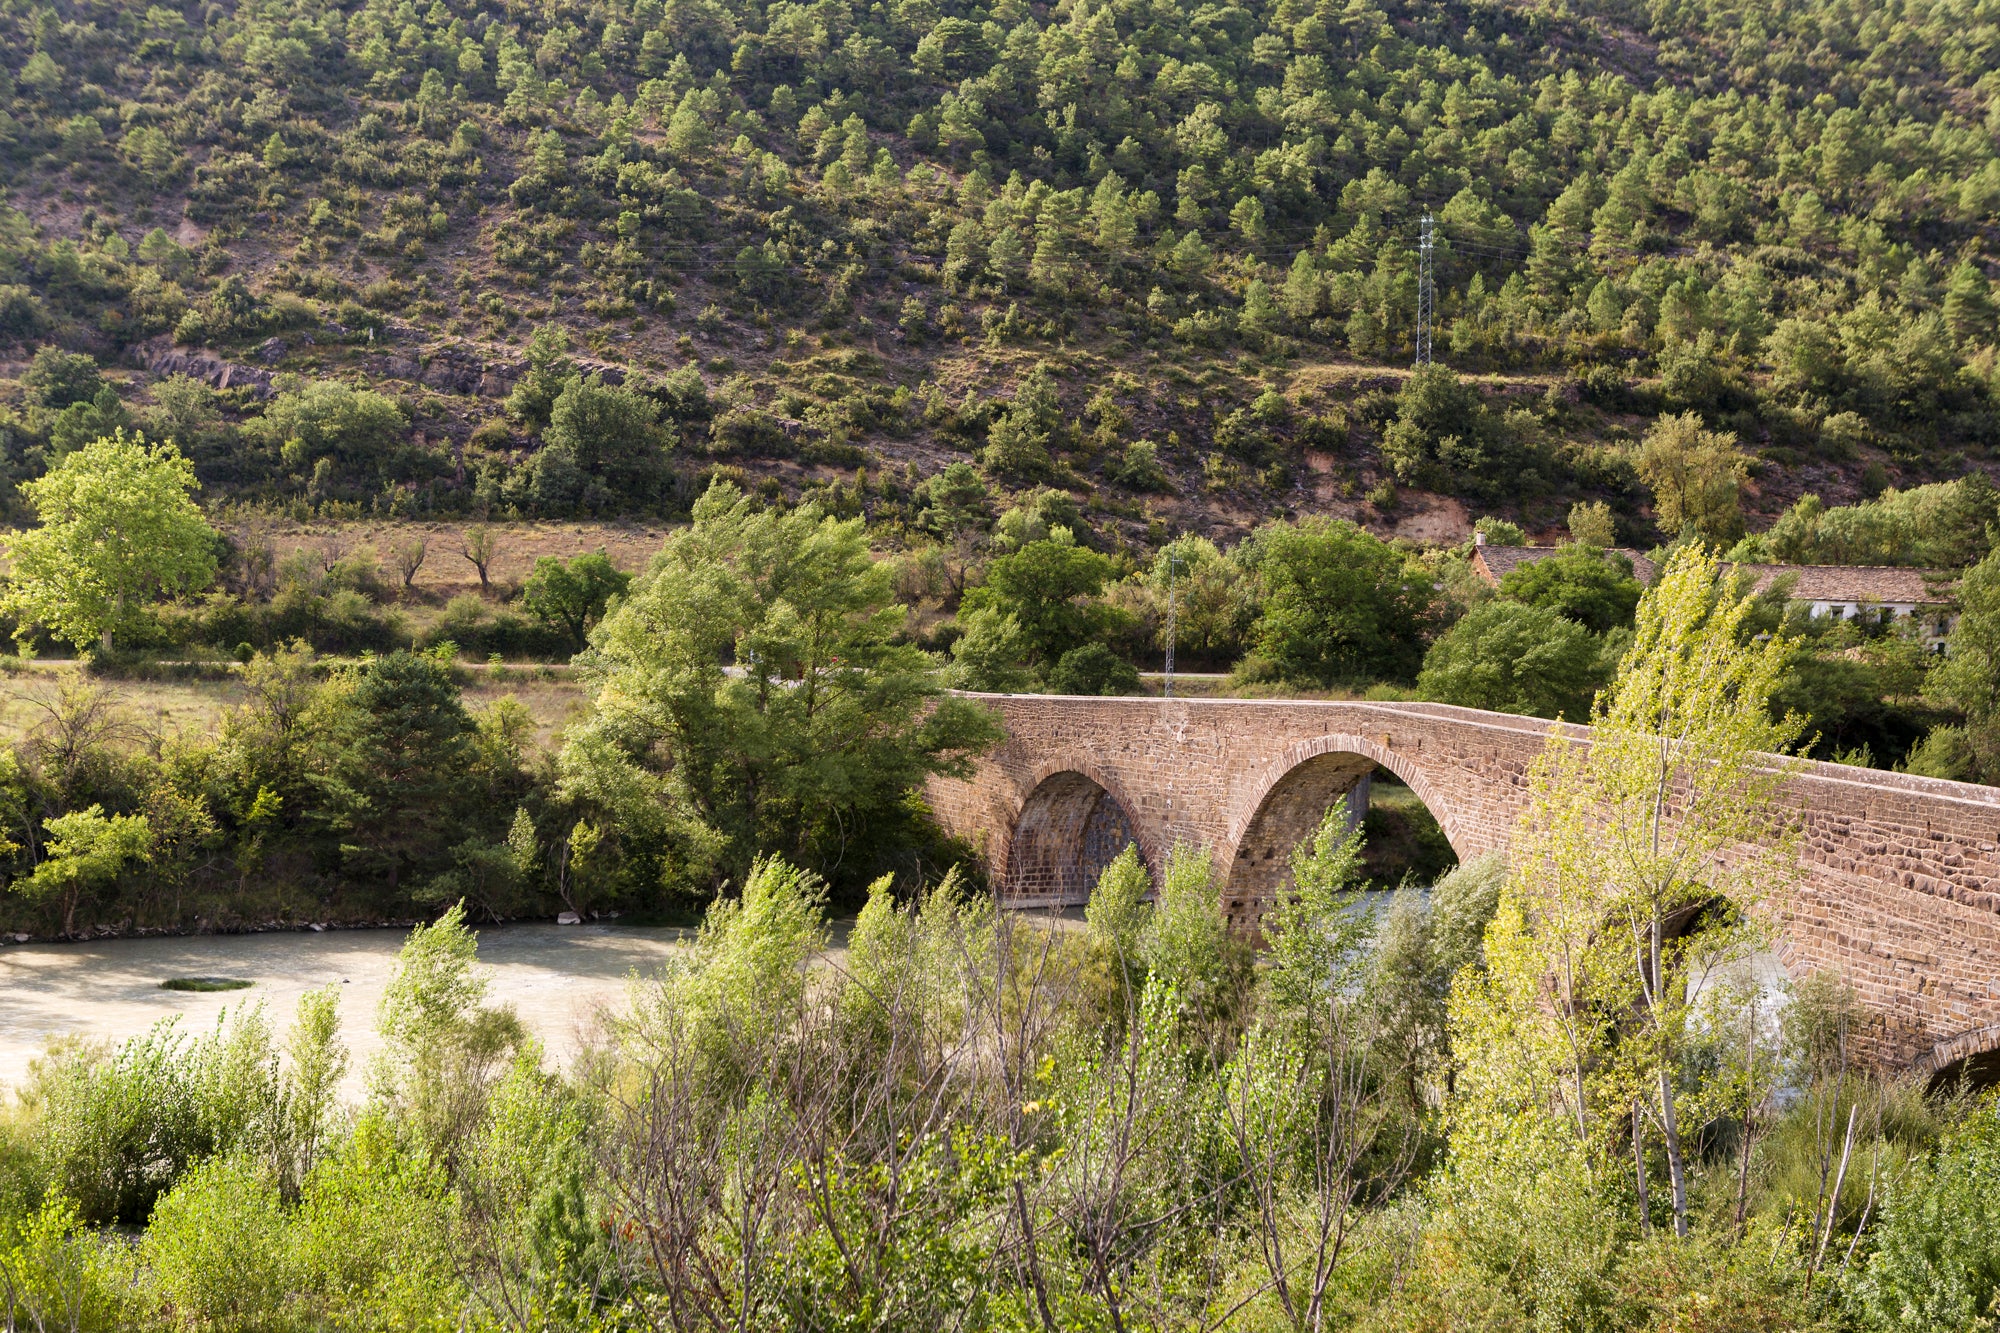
[1187, 945]
[956, 499]
[86, 850]
[1214, 599]
[827, 718]
[56, 379]
[1581, 583]
[1590, 525]
[1118, 911]
[533, 397]
[1696, 475]
[1967, 681]
[217, 1245]
[572, 595]
[601, 447]
[1968, 303]
[392, 748]
[119, 531]
[80, 423]
[1339, 604]
[1092, 669]
[1019, 444]
[1049, 588]
[1622, 838]
[1515, 659]
[1442, 431]
[443, 1046]
[1317, 938]
[362, 434]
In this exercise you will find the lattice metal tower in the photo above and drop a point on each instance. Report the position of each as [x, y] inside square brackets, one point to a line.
[1425, 297]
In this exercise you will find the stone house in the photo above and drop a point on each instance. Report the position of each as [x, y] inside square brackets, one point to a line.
[1844, 591]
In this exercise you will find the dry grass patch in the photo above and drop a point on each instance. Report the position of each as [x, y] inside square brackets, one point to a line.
[445, 570]
[159, 708]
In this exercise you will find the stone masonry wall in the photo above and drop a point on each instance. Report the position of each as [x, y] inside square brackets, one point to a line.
[1900, 891]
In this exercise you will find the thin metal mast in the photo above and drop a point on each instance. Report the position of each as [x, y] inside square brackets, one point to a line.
[1424, 292]
[1171, 625]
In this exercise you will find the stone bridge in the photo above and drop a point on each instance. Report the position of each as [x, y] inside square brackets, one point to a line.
[1900, 892]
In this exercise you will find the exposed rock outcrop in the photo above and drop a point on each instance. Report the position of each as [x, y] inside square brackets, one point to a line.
[162, 358]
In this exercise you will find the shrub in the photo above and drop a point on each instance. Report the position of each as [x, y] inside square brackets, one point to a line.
[1515, 659]
[217, 1247]
[120, 1128]
[1093, 669]
[752, 433]
[55, 1274]
[1936, 1264]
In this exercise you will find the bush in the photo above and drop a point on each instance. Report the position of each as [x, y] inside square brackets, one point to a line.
[1515, 659]
[119, 1128]
[55, 1274]
[217, 1247]
[1093, 669]
[372, 1237]
[478, 630]
[22, 314]
[342, 621]
[751, 433]
[1936, 1264]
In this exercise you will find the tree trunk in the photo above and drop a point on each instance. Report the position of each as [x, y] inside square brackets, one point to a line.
[1749, 1117]
[1639, 1166]
[1670, 1129]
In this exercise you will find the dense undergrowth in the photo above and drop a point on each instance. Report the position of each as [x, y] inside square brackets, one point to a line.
[970, 1121]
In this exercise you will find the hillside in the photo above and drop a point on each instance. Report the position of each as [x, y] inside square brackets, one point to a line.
[1163, 257]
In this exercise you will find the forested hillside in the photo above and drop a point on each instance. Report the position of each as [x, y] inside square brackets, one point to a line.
[558, 260]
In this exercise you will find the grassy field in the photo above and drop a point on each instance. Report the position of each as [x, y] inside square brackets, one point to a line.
[151, 708]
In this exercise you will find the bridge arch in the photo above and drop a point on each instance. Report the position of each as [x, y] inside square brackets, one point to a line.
[1073, 821]
[1973, 1055]
[1286, 801]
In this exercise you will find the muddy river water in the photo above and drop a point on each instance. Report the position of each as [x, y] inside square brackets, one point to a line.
[559, 979]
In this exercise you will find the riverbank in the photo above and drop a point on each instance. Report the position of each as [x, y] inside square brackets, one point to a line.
[561, 980]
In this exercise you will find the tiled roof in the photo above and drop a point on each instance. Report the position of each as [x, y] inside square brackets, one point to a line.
[1878, 584]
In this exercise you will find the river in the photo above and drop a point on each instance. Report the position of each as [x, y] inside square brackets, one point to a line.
[561, 980]
[558, 978]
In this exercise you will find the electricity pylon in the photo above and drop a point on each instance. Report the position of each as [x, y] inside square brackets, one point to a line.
[1424, 293]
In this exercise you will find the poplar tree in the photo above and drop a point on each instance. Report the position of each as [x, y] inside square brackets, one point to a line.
[1652, 852]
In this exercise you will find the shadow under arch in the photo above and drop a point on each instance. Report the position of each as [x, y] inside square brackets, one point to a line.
[1970, 1058]
[1071, 826]
[1286, 804]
